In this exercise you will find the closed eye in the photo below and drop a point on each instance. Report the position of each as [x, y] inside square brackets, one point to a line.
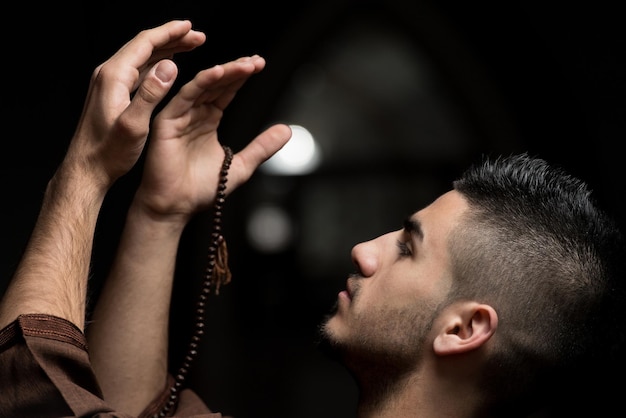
[404, 249]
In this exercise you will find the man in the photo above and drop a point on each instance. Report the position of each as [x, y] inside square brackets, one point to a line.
[487, 296]
[491, 301]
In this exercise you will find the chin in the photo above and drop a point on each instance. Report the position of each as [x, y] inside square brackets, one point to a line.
[328, 342]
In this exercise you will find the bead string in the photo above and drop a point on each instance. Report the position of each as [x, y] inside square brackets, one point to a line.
[217, 273]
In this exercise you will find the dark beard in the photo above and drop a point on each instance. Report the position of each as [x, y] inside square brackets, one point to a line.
[331, 349]
[376, 372]
[374, 377]
[356, 359]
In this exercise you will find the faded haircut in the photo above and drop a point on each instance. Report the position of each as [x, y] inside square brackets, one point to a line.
[536, 246]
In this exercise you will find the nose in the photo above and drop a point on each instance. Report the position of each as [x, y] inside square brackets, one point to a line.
[364, 257]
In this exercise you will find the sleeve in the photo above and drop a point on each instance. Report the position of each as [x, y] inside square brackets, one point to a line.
[45, 372]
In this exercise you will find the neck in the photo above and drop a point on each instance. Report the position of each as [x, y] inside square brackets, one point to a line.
[422, 393]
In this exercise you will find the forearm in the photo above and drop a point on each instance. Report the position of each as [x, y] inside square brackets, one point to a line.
[53, 272]
[128, 336]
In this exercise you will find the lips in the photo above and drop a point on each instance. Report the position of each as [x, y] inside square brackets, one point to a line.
[345, 296]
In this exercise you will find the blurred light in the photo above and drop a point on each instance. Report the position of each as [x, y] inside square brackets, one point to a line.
[269, 229]
[299, 156]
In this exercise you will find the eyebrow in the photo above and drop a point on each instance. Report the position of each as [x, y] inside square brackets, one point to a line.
[413, 227]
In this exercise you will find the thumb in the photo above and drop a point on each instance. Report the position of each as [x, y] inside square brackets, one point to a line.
[261, 148]
[153, 88]
[165, 71]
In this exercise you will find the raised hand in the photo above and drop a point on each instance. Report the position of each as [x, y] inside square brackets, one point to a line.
[184, 156]
[123, 93]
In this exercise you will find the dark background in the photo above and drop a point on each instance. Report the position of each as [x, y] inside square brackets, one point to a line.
[492, 78]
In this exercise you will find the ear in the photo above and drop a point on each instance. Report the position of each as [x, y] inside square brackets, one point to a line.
[464, 327]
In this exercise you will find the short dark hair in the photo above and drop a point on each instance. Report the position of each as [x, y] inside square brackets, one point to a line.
[537, 247]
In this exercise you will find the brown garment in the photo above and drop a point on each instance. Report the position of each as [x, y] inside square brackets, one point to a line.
[45, 372]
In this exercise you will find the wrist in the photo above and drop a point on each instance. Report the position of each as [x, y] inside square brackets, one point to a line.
[73, 180]
[160, 223]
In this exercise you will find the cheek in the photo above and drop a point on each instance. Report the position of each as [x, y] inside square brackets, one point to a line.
[397, 330]
[396, 289]
[401, 303]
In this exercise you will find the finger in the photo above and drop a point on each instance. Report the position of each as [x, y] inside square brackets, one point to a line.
[188, 42]
[215, 86]
[171, 37]
[151, 45]
[235, 74]
[259, 150]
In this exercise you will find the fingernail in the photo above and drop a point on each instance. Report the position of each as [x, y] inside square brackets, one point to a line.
[165, 71]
